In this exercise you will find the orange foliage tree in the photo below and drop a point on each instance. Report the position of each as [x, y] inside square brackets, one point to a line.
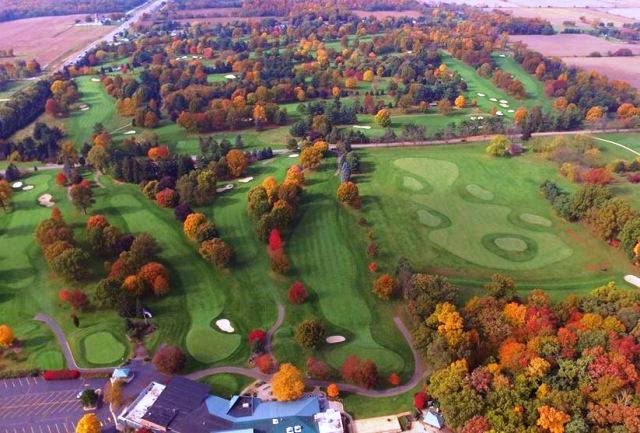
[6, 336]
[552, 419]
[287, 384]
[310, 157]
[385, 286]
[236, 162]
[333, 391]
[192, 223]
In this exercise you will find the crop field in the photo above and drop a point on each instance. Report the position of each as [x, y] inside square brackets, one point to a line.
[48, 39]
[616, 68]
[572, 45]
[558, 15]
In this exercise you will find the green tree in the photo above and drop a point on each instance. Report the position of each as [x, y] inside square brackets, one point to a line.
[258, 203]
[107, 293]
[310, 334]
[501, 287]
[609, 220]
[499, 146]
[426, 291]
[71, 264]
[587, 197]
[99, 158]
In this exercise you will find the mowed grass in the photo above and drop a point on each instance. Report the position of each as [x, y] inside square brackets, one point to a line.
[227, 385]
[475, 205]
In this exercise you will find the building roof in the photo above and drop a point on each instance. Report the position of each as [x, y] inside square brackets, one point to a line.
[180, 396]
[381, 424]
[433, 418]
[121, 373]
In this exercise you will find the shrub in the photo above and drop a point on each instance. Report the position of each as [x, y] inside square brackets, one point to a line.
[310, 334]
[61, 375]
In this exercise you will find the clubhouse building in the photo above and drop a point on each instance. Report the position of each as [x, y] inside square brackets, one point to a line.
[185, 406]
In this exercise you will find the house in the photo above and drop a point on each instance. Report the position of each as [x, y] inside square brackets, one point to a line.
[122, 375]
[185, 406]
[432, 418]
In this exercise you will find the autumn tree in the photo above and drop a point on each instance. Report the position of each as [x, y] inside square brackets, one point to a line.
[310, 334]
[501, 287]
[169, 359]
[5, 194]
[6, 336]
[287, 384]
[383, 118]
[98, 157]
[191, 224]
[81, 197]
[236, 162]
[444, 106]
[552, 419]
[310, 157]
[297, 293]
[333, 391]
[460, 101]
[217, 252]
[499, 146]
[348, 193]
[89, 423]
[594, 114]
[385, 286]
[361, 373]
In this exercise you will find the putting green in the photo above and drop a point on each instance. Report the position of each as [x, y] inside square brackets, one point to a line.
[428, 218]
[208, 345]
[535, 219]
[472, 241]
[385, 359]
[511, 244]
[103, 348]
[478, 192]
[411, 183]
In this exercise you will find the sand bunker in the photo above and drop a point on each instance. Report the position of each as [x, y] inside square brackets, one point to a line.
[479, 192]
[17, 185]
[499, 113]
[225, 325]
[28, 187]
[502, 55]
[362, 126]
[225, 188]
[129, 132]
[428, 219]
[230, 77]
[493, 99]
[504, 101]
[84, 109]
[535, 219]
[511, 111]
[245, 179]
[632, 279]
[511, 244]
[481, 94]
[95, 80]
[334, 339]
[46, 200]
[294, 155]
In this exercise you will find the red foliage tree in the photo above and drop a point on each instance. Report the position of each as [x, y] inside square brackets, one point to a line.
[420, 400]
[477, 424]
[64, 295]
[96, 221]
[297, 293]
[167, 198]
[265, 363]
[317, 369]
[275, 241]
[61, 179]
[158, 153]
[394, 379]
[78, 299]
[169, 359]
[598, 176]
[361, 373]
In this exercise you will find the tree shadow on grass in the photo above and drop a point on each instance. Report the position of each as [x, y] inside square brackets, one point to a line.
[15, 275]
[17, 231]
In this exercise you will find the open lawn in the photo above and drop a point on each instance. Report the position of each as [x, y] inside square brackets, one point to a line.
[457, 212]
[227, 385]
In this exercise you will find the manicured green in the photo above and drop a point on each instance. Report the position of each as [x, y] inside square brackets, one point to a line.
[103, 348]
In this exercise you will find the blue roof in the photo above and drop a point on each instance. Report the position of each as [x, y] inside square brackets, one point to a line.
[305, 407]
[121, 373]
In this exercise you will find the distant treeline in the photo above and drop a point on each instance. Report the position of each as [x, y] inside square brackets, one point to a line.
[17, 9]
[23, 108]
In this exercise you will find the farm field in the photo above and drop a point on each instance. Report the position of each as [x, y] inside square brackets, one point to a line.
[48, 39]
[618, 68]
[572, 45]
[558, 15]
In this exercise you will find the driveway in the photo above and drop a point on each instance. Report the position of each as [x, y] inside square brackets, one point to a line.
[33, 405]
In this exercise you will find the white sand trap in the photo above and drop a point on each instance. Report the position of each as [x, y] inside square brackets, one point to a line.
[83, 106]
[502, 55]
[499, 113]
[479, 192]
[5, 99]
[46, 200]
[225, 325]
[504, 105]
[514, 245]
[428, 219]
[84, 109]
[535, 219]
[480, 117]
[481, 94]
[504, 101]
[28, 187]
[632, 279]
[511, 111]
[225, 188]
[95, 80]
[362, 126]
[294, 155]
[245, 179]
[17, 185]
[129, 132]
[411, 183]
[493, 99]
[230, 77]
[334, 339]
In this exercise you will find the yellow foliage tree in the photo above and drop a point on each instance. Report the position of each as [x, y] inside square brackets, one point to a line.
[270, 184]
[368, 75]
[310, 157]
[383, 118]
[6, 336]
[350, 83]
[295, 175]
[514, 313]
[287, 384]
[449, 321]
[552, 419]
[460, 101]
[191, 224]
[89, 423]
[538, 367]
[594, 114]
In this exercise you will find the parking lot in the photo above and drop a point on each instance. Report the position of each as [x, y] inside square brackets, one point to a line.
[32, 405]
